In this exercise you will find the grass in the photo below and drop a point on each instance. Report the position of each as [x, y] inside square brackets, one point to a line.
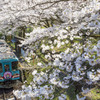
[29, 78]
[71, 93]
[12, 45]
[94, 94]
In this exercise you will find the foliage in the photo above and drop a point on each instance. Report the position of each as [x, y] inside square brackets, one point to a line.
[67, 53]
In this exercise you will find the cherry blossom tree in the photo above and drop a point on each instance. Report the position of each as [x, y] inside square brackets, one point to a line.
[61, 22]
[23, 12]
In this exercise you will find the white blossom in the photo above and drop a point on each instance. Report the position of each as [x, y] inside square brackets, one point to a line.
[78, 98]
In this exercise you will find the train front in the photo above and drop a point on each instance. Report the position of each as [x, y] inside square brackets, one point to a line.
[9, 70]
[8, 64]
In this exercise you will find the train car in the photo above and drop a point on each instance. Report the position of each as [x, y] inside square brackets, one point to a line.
[8, 64]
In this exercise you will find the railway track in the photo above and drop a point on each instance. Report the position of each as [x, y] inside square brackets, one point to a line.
[7, 94]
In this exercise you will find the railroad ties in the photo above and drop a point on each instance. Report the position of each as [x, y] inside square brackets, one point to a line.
[7, 94]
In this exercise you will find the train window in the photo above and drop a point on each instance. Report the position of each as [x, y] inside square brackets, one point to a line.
[0, 67]
[14, 65]
[6, 68]
[1, 43]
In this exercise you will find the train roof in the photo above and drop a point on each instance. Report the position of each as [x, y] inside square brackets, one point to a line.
[5, 51]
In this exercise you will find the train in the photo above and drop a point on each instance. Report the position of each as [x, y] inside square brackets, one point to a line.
[9, 65]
